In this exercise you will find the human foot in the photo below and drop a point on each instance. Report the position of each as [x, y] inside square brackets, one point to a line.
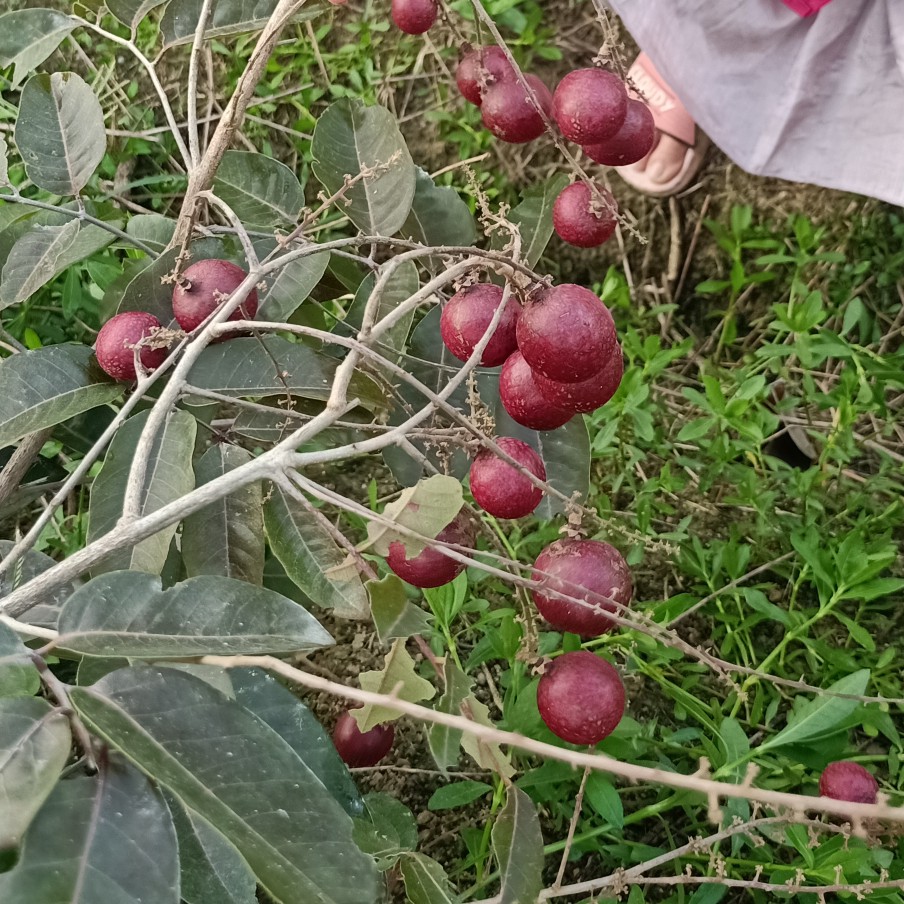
[677, 156]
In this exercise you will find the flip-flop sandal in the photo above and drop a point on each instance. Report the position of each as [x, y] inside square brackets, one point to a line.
[672, 119]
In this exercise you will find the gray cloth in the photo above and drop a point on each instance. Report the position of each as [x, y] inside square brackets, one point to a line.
[817, 99]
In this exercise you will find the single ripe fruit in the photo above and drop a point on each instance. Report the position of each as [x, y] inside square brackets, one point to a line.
[510, 115]
[843, 780]
[115, 341]
[467, 315]
[500, 489]
[587, 395]
[581, 697]
[430, 567]
[566, 333]
[590, 105]
[583, 219]
[414, 17]
[359, 748]
[588, 570]
[523, 400]
[204, 287]
[479, 69]
[632, 142]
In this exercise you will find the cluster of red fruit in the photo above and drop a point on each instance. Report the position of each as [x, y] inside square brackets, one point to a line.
[201, 289]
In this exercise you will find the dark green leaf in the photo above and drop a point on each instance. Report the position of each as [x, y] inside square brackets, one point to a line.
[28, 37]
[260, 190]
[237, 773]
[457, 794]
[251, 367]
[351, 138]
[230, 17]
[393, 613]
[438, 215]
[153, 229]
[403, 283]
[44, 252]
[131, 12]
[264, 696]
[169, 476]
[426, 881]
[18, 674]
[312, 558]
[287, 289]
[43, 387]
[212, 870]
[822, 715]
[105, 838]
[226, 537]
[534, 218]
[34, 746]
[518, 845]
[60, 132]
[602, 796]
[126, 613]
[45, 613]
[386, 830]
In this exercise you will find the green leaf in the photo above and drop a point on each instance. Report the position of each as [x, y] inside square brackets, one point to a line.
[212, 870]
[393, 613]
[403, 283]
[857, 632]
[240, 775]
[18, 674]
[822, 715]
[230, 17]
[126, 613]
[438, 215]
[169, 477]
[533, 216]
[34, 747]
[44, 252]
[397, 677]
[28, 37]
[872, 590]
[60, 132]
[457, 794]
[735, 745]
[45, 613]
[487, 756]
[444, 741]
[250, 367]
[276, 705]
[131, 12]
[260, 190]
[349, 139]
[312, 558]
[49, 385]
[426, 881]
[153, 229]
[226, 537]
[386, 830]
[602, 796]
[290, 287]
[107, 837]
[518, 846]
[425, 508]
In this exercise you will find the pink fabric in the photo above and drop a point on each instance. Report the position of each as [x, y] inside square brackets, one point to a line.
[805, 7]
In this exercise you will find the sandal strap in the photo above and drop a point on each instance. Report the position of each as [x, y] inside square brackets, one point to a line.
[669, 113]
